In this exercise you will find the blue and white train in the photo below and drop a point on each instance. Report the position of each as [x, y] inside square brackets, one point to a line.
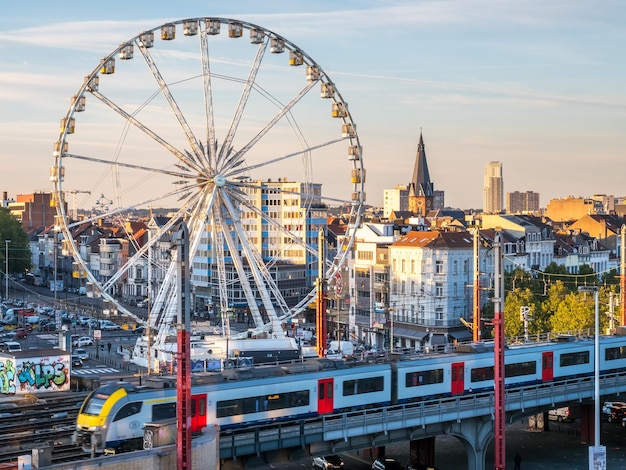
[114, 415]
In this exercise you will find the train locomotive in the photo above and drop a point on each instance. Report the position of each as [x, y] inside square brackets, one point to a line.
[114, 415]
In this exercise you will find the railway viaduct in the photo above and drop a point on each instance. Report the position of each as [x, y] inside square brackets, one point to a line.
[468, 417]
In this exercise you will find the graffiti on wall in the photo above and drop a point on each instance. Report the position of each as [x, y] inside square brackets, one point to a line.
[33, 375]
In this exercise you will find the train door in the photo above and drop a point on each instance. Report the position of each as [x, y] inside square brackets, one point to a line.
[458, 378]
[325, 395]
[198, 412]
[547, 366]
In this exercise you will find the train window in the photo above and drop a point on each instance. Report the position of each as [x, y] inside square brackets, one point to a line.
[127, 410]
[359, 386]
[93, 406]
[575, 358]
[612, 354]
[480, 374]
[227, 408]
[240, 406]
[424, 377]
[201, 405]
[164, 411]
[520, 368]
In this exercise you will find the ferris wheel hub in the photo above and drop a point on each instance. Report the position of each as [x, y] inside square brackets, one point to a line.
[220, 180]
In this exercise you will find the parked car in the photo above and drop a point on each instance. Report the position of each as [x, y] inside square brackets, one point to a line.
[47, 327]
[82, 341]
[613, 411]
[386, 464]
[76, 361]
[10, 346]
[83, 320]
[82, 353]
[108, 325]
[564, 414]
[328, 462]
[20, 333]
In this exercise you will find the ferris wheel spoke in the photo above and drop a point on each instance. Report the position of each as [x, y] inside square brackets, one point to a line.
[139, 125]
[227, 145]
[273, 161]
[133, 166]
[307, 197]
[191, 139]
[208, 100]
[286, 109]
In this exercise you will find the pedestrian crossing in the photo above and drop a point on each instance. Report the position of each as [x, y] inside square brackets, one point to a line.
[95, 371]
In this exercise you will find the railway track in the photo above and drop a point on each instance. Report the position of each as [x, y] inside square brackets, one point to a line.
[34, 422]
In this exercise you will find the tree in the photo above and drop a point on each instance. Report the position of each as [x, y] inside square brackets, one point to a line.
[19, 251]
[576, 313]
[513, 324]
[558, 273]
[610, 278]
[556, 294]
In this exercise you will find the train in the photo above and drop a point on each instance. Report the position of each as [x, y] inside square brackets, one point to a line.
[112, 417]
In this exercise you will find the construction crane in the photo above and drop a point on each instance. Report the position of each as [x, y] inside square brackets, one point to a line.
[74, 192]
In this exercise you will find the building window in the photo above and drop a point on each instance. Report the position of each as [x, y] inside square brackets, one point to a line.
[439, 267]
[439, 290]
[439, 314]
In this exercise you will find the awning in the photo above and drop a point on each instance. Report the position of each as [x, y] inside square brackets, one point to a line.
[437, 339]
[461, 335]
[409, 333]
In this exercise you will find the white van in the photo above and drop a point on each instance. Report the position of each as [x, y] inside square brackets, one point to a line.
[10, 346]
[564, 414]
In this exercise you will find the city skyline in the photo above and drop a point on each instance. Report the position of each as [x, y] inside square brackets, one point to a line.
[535, 86]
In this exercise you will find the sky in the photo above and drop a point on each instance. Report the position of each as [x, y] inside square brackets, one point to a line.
[538, 85]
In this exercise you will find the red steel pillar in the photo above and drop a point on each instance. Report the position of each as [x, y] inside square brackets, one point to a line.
[183, 356]
[498, 322]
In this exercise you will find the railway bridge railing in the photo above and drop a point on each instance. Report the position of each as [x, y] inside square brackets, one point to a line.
[373, 427]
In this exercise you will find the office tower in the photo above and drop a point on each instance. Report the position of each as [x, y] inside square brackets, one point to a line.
[493, 194]
[522, 203]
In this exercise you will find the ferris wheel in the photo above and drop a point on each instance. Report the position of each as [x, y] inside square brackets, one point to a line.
[227, 126]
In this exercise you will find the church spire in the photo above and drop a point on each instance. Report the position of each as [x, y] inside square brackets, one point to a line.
[420, 185]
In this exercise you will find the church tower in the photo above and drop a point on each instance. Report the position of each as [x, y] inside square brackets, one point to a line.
[421, 189]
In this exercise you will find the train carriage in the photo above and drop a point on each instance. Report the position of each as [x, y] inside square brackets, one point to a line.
[115, 414]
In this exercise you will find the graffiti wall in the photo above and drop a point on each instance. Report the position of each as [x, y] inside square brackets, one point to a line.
[24, 373]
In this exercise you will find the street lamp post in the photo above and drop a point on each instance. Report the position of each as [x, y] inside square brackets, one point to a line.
[597, 453]
[6, 269]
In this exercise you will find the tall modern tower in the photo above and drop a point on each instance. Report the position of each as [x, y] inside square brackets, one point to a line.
[421, 189]
[493, 189]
